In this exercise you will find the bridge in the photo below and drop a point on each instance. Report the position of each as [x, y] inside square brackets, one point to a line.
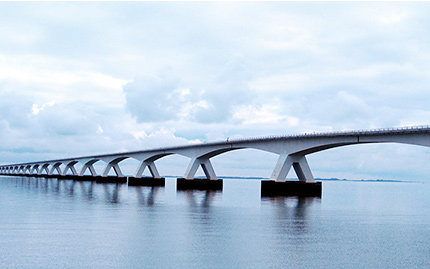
[291, 149]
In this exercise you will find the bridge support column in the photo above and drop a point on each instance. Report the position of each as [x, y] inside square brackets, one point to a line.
[206, 165]
[44, 168]
[120, 178]
[34, 168]
[90, 167]
[138, 180]
[298, 162]
[152, 169]
[72, 168]
[115, 167]
[277, 186]
[55, 167]
[189, 182]
[27, 170]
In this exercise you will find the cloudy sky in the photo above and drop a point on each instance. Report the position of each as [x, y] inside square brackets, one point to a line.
[85, 78]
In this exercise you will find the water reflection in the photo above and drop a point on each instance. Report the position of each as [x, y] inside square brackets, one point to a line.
[292, 213]
[146, 195]
[199, 199]
[68, 188]
[87, 190]
[111, 192]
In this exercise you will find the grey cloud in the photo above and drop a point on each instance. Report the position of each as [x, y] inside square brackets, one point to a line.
[14, 107]
[165, 97]
[152, 98]
[66, 120]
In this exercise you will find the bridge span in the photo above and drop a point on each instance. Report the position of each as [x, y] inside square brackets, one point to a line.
[291, 149]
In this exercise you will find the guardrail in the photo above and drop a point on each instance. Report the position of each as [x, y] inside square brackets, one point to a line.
[334, 133]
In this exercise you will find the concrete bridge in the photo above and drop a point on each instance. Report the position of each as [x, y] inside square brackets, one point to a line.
[291, 149]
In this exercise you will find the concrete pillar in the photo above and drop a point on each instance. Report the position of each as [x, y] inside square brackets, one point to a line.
[44, 168]
[115, 167]
[298, 162]
[208, 169]
[35, 168]
[192, 169]
[90, 166]
[153, 170]
[151, 166]
[303, 170]
[282, 167]
[70, 166]
[55, 167]
[206, 165]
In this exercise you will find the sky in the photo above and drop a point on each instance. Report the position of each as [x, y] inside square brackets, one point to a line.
[88, 78]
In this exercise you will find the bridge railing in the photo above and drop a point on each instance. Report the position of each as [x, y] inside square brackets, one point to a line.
[335, 133]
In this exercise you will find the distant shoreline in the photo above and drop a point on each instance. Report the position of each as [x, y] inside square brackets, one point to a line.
[319, 179]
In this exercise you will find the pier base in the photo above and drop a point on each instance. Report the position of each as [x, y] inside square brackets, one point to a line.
[113, 179]
[146, 181]
[290, 188]
[198, 184]
[77, 178]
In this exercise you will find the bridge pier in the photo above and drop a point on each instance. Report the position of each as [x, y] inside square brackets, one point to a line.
[290, 188]
[277, 186]
[146, 181]
[111, 179]
[188, 182]
[199, 184]
[154, 180]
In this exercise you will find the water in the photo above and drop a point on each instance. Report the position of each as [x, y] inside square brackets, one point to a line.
[45, 223]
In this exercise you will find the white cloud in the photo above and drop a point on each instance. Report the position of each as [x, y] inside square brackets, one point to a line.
[266, 114]
[35, 108]
[44, 78]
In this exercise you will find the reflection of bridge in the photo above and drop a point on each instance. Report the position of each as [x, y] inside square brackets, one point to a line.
[291, 149]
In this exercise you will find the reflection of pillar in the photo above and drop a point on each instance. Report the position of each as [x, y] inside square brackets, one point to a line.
[87, 193]
[114, 196]
[298, 162]
[150, 199]
[293, 212]
[206, 201]
[72, 188]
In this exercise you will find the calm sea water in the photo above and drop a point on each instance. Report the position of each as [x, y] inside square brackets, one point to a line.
[46, 223]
